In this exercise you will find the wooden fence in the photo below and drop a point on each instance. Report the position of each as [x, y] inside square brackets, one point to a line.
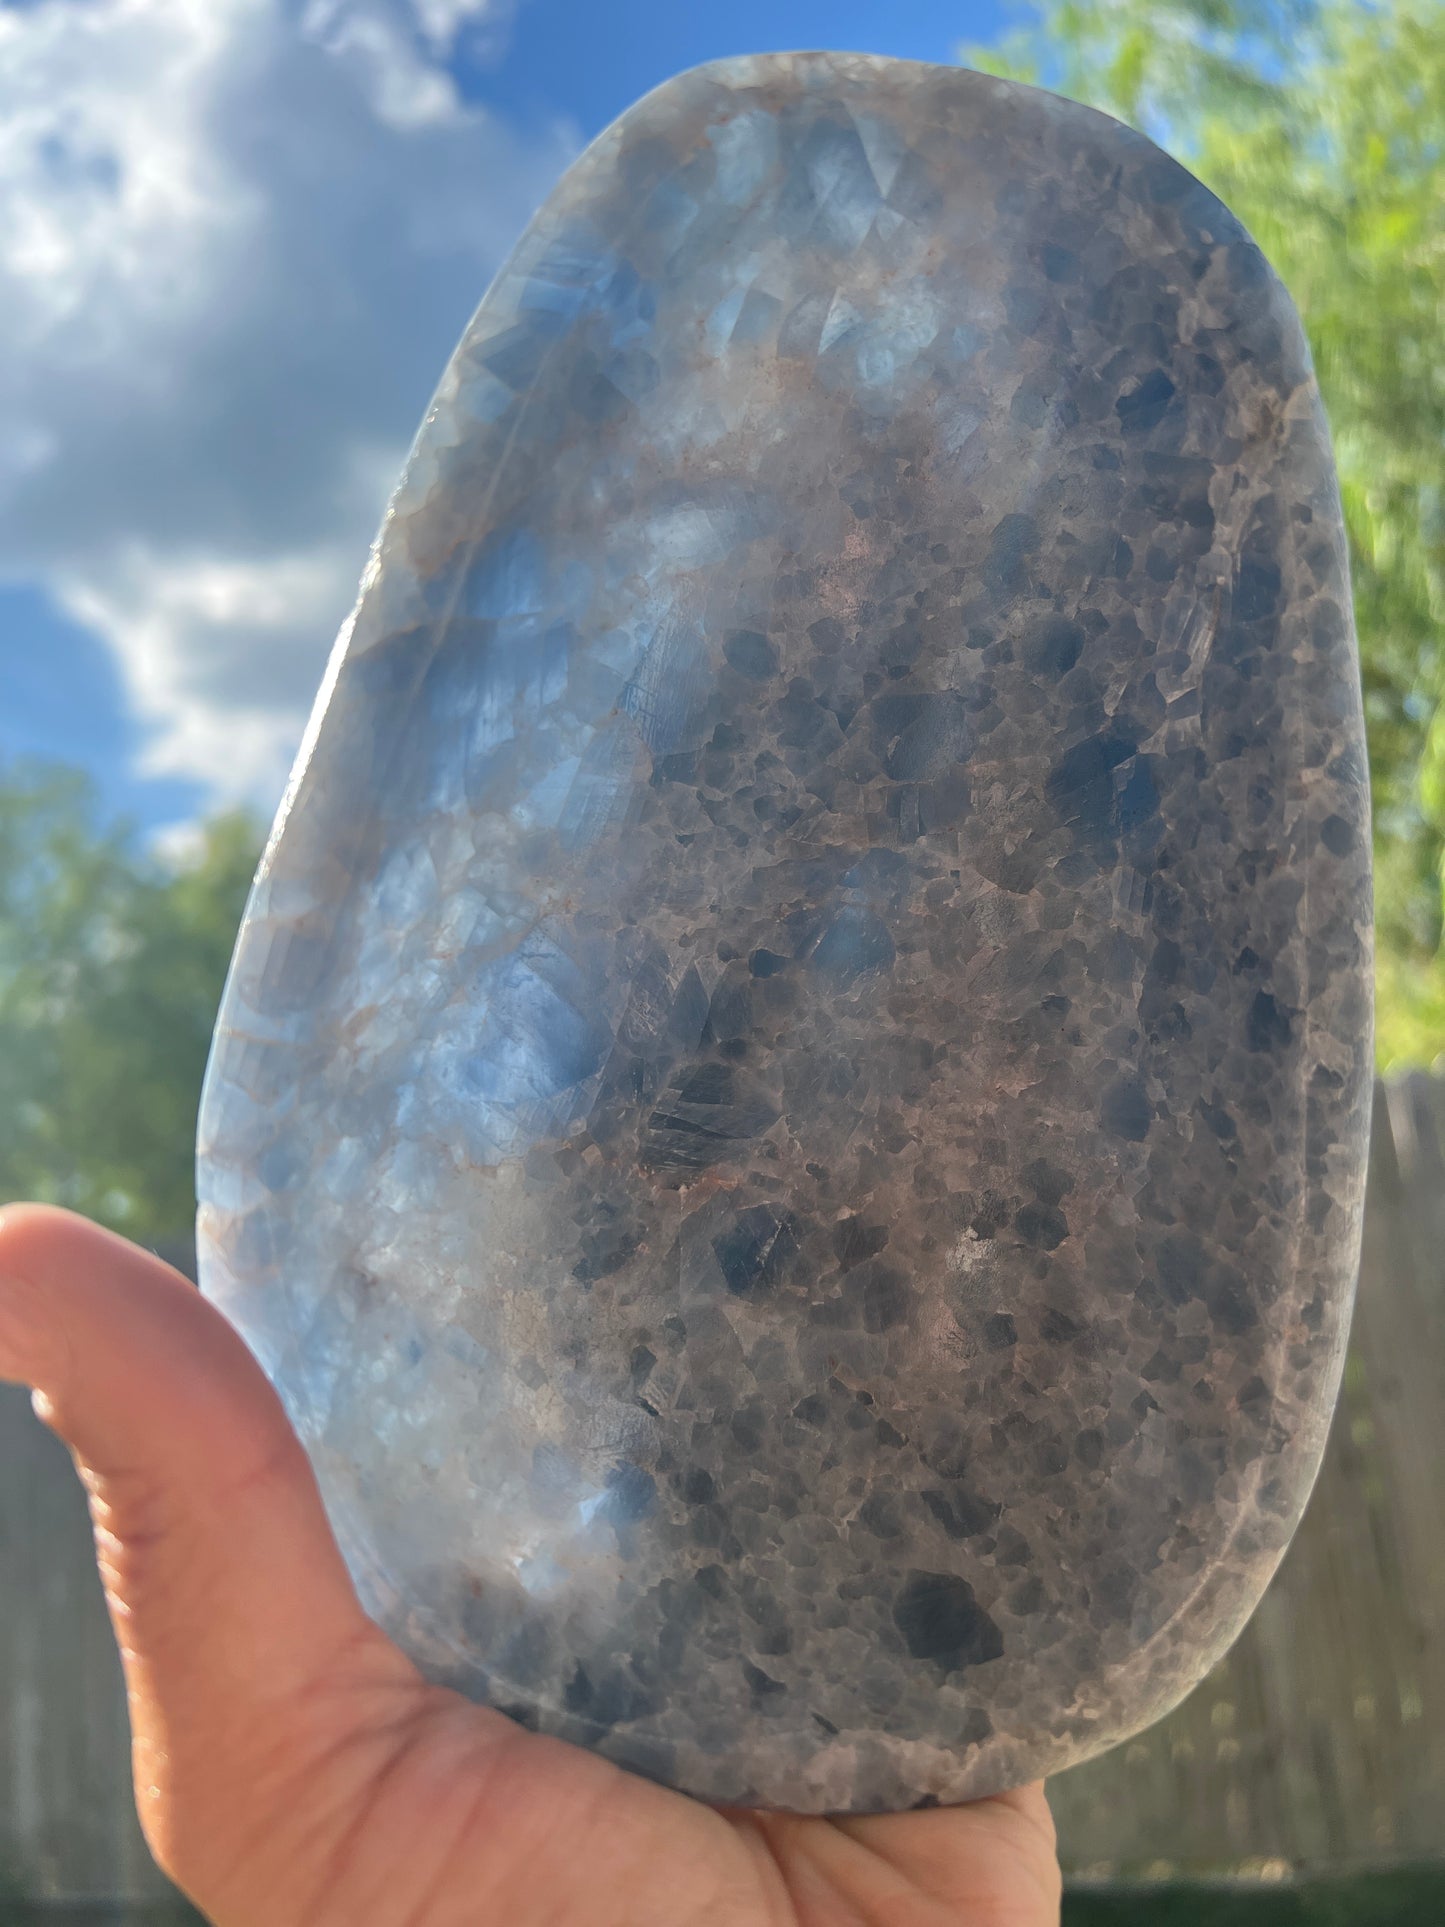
[1317, 1743]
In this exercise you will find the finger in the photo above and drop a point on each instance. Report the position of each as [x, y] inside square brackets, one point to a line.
[995, 1860]
[991, 1862]
[231, 1604]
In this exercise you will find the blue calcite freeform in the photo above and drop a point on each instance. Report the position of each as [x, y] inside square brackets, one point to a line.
[789, 1115]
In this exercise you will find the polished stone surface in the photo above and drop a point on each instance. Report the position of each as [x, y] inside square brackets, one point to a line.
[789, 1117]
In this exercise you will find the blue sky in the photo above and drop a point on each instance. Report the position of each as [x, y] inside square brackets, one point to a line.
[238, 240]
[591, 61]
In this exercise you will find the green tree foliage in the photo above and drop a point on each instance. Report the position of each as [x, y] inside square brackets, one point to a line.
[1322, 124]
[111, 968]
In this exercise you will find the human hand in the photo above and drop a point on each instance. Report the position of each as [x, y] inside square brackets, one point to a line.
[292, 1767]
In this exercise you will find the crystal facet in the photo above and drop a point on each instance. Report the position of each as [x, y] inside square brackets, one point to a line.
[789, 1115]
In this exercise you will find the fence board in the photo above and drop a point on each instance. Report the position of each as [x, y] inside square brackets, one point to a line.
[1317, 1743]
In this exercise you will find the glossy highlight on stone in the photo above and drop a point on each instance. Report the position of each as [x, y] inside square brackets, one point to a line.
[789, 1116]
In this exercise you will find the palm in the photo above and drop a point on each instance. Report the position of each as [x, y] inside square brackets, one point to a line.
[293, 1768]
[414, 1807]
[440, 1814]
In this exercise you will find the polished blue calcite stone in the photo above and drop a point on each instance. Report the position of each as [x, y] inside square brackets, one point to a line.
[789, 1116]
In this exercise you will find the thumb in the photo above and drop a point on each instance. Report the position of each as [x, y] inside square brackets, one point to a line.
[234, 1613]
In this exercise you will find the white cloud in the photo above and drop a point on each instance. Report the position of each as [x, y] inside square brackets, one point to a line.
[209, 644]
[238, 240]
[445, 22]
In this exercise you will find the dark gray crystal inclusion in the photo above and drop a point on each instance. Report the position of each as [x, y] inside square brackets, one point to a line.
[789, 1116]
